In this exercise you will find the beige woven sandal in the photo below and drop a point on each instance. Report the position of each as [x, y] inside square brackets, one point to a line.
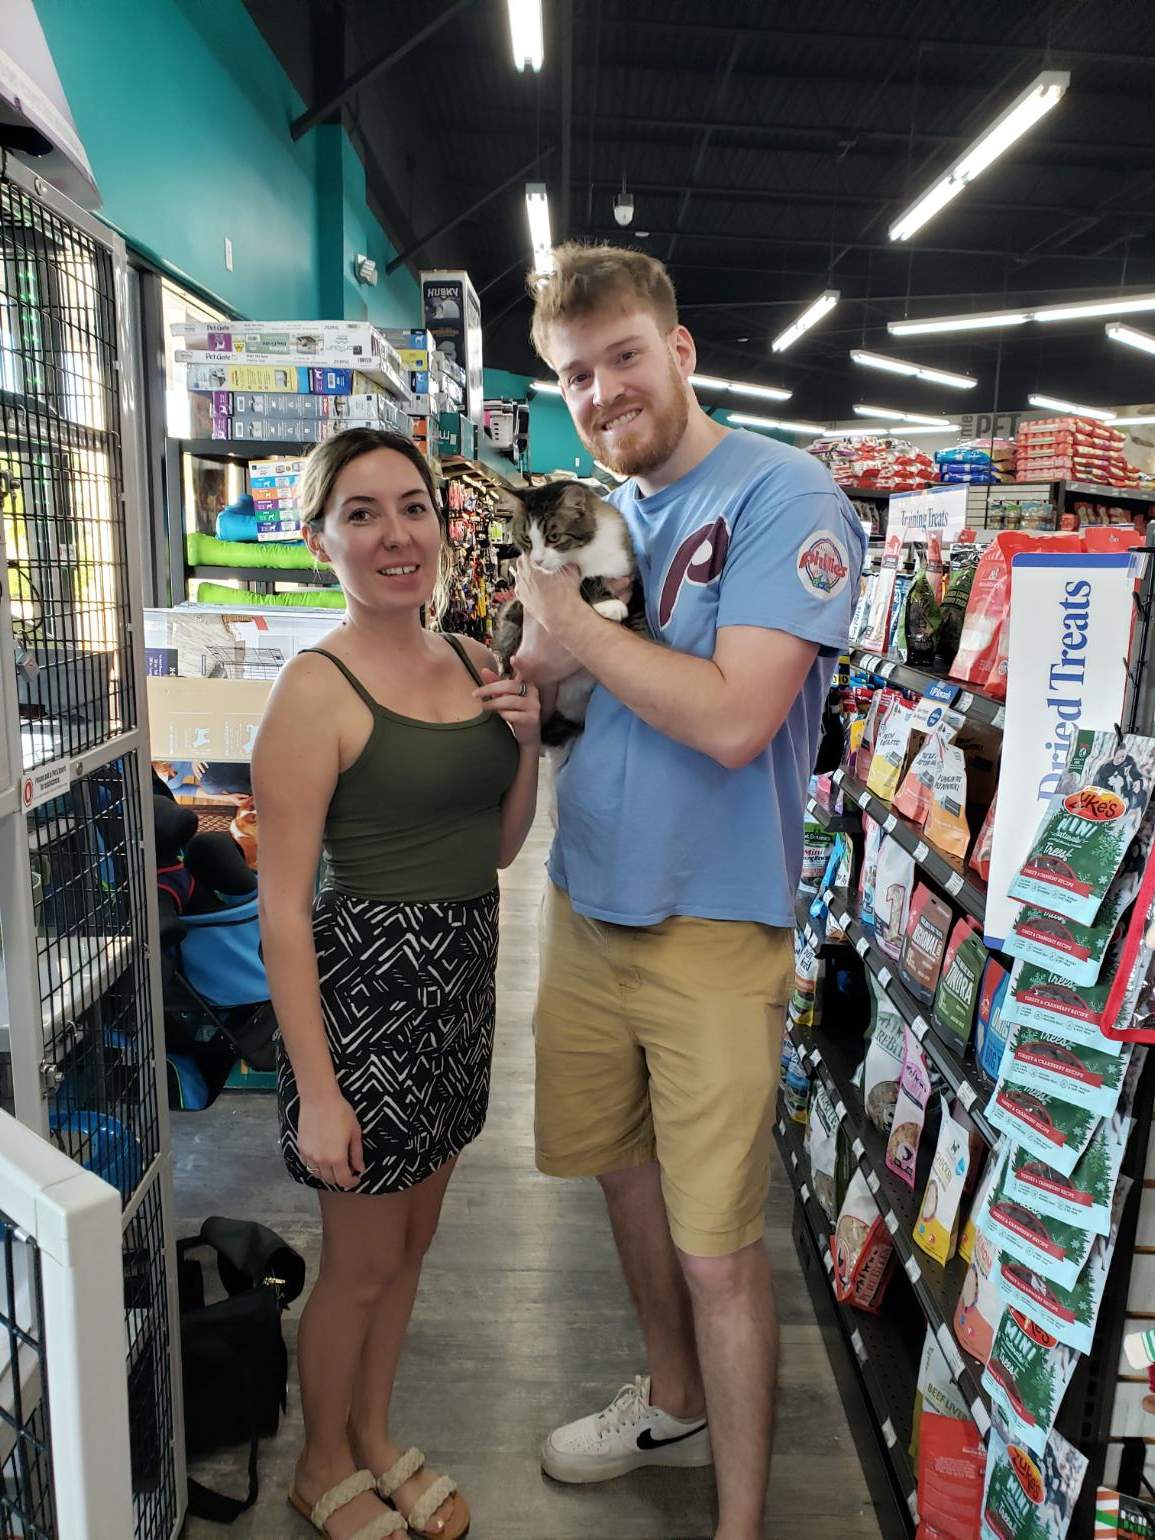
[388, 1523]
[426, 1506]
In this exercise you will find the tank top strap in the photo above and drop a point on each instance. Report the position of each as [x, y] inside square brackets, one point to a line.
[349, 675]
[455, 643]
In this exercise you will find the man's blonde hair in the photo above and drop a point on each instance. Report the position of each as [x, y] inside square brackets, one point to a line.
[586, 279]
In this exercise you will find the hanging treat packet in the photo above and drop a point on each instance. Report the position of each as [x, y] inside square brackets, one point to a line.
[1029, 1499]
[980, 857]
[821, 1145]
[893, 886]
[964, 560]
[1042, 1061]
[966, 1240]
[817, 843]
[1088, 825]
[923, 621]
[946, 821]
[937, 726]
[990, 1032]
[936, 1228]
[935, 1390]
[807, 969]
[1083, 1198]
[1129, 1014]
[909, 1110]
[891, 752]
[861, 1250]
[882, 1069]
[957, 996]
[1053, 1248]
[927, 928]
[796, 1088]
[880, 706]
[981, 658]
[875, 636]
[980, 1306]
[1068, 1314]
[1073, 951]
[1056, 1131]
[1026, 1377]
[951, 1471]
[871, 842]
[1046, 1001]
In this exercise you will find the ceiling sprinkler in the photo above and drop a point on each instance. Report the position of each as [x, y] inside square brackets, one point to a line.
[624, 205]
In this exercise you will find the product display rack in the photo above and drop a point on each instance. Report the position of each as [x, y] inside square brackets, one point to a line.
[831, 1054]
[83, 1060]
[982, 709]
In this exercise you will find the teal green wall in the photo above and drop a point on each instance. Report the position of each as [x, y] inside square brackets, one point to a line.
[185, 114]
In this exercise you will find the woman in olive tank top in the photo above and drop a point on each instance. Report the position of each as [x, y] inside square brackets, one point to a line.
[376, 750]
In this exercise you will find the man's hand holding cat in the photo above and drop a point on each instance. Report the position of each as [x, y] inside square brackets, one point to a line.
[553, 599]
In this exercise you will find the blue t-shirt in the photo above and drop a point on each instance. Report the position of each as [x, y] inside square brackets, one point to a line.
[757, 534]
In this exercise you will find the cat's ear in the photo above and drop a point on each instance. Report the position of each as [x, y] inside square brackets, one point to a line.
[575, 498]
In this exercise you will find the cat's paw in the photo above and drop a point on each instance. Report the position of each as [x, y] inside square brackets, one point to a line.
[612, 609]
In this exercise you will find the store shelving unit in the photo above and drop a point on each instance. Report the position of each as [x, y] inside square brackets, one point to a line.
[82, 1060]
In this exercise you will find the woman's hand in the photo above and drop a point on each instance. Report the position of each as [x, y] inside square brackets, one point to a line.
[516, 702]
[329, 1140]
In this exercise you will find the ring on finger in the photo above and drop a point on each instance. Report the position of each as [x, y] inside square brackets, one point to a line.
[524, 690]
[313, 1170]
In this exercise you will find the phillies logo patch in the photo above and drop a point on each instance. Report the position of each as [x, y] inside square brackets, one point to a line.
[822, 565]
[699, 559]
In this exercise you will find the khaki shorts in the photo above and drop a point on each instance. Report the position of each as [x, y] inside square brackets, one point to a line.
[664, 1043]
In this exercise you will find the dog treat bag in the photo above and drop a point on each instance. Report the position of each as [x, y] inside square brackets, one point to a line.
[1028, 1498]
[1088, 825]
[1083, 1198]
[861, 1250]
[914, 795]
[1044, 1000]
[821, 1144]
[1073, 951]
[946, 822]
[980, 1305]
[1052, 1248]
[936, 1228]
[927, 927]
[890, 752]
[980, 860]
[966, 1240]
[817, 844]
[957, 996]
[991, 1034]
[893, 885]
[872, 839]
[909, 1111]
[882, 1069]
[1044, 1062]
[1026, 1377]
[875, 637]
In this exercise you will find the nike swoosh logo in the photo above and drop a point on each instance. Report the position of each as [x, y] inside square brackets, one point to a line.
[646, 1439]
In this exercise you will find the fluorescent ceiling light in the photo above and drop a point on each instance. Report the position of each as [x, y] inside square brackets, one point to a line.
[1144, 341]
[1139, 421]
[774, 422]
[894, 430]
[904, 430]
[526, 33]
[1089, 309]
[545, 387]
[979, 321]
[1056, 403]
[823, 305]
[892, 414]
[537, 212]
[1044, 92]
[740, 387]
[912, 370]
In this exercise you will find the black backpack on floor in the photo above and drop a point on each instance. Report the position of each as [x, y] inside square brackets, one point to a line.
[233, 1354]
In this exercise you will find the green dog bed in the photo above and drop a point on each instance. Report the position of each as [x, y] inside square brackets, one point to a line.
[245, 598]
[208, 551]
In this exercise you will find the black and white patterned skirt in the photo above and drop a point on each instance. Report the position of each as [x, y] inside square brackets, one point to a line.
[407, 992]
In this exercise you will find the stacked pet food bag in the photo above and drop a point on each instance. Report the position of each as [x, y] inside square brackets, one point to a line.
[987, 462]
[1051, 1027]
[879, 464]
[1073, 449]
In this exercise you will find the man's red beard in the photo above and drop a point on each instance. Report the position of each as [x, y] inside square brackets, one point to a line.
[663, 423]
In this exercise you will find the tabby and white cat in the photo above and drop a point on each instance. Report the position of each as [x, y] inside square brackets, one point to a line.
[559, 524]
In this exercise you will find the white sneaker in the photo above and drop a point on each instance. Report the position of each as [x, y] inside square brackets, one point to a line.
[630, 1433]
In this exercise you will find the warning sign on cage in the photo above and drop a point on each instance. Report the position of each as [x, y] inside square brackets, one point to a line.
[44, 783]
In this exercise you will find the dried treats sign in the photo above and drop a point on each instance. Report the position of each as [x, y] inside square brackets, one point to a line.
[1069, 634]
[938, 511]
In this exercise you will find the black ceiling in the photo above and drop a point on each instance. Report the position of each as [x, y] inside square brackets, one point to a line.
[769, 144]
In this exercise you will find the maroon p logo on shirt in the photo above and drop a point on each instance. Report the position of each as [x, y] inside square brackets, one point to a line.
[699, 559]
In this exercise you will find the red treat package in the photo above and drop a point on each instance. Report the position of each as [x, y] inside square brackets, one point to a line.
[982, 656]
[951, 1471]
[1111, 537]
[980, 860]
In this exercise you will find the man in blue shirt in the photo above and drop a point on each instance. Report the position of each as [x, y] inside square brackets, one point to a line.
[667, 952]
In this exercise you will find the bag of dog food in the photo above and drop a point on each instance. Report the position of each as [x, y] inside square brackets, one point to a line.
[964, 562]
[923, 620]
[861, 1250]
[796, 1088]
[936, 1228]
[1085, 1197]
[951, 1466]
[877, 626]
[1054, 1130]
[893, 885]
[966, 1240]
[1029, 1499]
[1044, 1062]
[909, 1111]
[1073, 951]
[871, 841]
[927, 928]
[1086, 831]
[1052, 1248]
[882, 1069]
[803, 1008]
[946, 822]
[981, 659]
[991, 1033]
[935, 1390]
[821, 1145]
[914, 795]
[1026, 1377]
[1044, 1000]
[881, 704]
[957, 996]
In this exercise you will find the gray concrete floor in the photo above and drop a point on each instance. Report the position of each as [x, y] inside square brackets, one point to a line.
[523, 1320]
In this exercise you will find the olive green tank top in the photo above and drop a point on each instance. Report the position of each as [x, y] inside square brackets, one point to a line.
[417, 817]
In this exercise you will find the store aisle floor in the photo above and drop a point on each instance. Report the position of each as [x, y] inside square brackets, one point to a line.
[523, 1319]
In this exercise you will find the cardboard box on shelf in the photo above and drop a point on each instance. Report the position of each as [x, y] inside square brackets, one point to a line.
[205, 719]
[288, 430]
[265, 378]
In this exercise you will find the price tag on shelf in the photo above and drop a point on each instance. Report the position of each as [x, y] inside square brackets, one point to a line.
[950, 1349]
[872, 1181]
[888, 668]
[838, 775]
[843, 921]
[859, 1149]
[862, 946]
[999, 717]
[812, 806]
[859, 1346]
[794, 1160]
[889, 1434]
[921, 851]
[840, 1112]
[828, 1262]
[828, 897]
[912, 1504]
[884, 977]
[805, 1191]
[965, 701]
[967, 1094]
[892, 1221]
[920, 1027]
[981, 1417]
[890, 823]
[913, 1271]
[782, 1126]
[954, 884]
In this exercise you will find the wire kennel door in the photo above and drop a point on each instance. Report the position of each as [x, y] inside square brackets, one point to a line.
[81, 1030]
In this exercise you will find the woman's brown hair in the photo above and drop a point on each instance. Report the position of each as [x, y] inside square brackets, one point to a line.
[326, 462]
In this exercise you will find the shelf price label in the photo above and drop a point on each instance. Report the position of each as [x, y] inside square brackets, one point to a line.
[862, 946]
[888, 668]
[838, 775]
[981, 1417]
[967, 1094]
[872, 1181]
[950, 1349]
[921, 851]
[920, 1027]
[890, 823]
[912, 1269]
[892, 1221]
[965, 701]
[954, 884]
[859, 1149]
[859, 1346]
[999, 717]
[805, 1191]
[884, 977]
[889, 1434]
